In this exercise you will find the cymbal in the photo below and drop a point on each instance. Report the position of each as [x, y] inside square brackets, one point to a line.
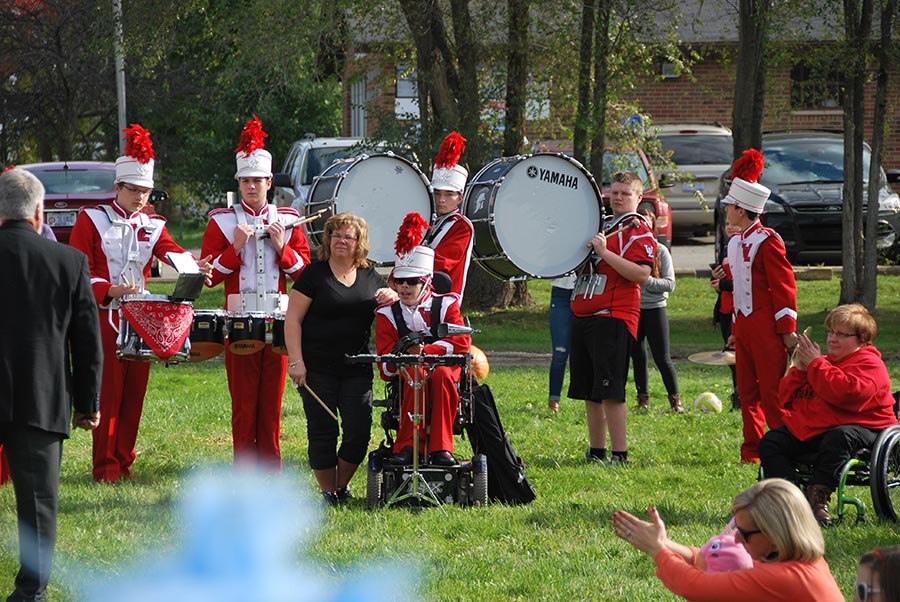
[713, 358]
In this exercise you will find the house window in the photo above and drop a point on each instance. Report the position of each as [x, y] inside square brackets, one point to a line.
[406, 101]
[815, 87]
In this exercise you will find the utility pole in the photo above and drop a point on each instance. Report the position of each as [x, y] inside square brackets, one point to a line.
[119, 49]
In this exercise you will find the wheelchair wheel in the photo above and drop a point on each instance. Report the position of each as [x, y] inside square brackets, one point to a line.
[374, 483]
[479, 480]
[884, 467]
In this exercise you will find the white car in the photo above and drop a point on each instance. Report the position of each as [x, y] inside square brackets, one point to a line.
[307, 159]
[701, 153]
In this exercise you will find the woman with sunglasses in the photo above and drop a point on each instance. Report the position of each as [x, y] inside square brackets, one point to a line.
[777, 527]
[878, 576]
[329, 316]
[417, 310]
[834, 405]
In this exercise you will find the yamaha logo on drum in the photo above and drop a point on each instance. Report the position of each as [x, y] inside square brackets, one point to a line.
[553, 177]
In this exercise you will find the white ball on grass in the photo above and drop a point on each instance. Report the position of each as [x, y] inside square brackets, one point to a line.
[708, 402]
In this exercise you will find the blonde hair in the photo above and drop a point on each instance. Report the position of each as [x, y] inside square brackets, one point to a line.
[344, 220]
[856, 318]
[782, 513]
[630, 178]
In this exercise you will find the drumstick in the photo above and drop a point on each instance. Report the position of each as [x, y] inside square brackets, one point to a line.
[297, 222]
[632, 224]
[321, 403]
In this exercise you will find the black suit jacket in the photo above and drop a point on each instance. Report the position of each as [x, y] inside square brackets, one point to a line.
[50, 353]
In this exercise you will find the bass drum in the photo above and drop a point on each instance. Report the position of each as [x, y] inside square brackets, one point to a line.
[380, 188]
[533, 215]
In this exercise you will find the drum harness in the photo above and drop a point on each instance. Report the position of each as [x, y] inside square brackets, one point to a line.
[261, 300]
[589, 281]
[130, 261]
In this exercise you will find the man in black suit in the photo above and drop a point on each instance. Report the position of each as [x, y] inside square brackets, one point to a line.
[50, 359]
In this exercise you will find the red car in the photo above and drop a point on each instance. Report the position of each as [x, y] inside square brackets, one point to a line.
[69, 186]
[636, 161]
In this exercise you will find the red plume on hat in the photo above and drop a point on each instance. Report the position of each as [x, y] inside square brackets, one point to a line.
[748, 166]
[138, 144]
[451, 150]
[410, 234]
[251, 137]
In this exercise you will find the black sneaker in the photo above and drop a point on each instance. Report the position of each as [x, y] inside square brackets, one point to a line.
[343, 494]
[330, 498]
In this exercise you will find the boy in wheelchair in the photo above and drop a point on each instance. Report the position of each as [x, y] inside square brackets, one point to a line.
[835, 405]
[409, 326]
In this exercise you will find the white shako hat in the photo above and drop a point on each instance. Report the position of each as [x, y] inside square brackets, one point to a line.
[413, 260]
[745, 191]
[447, 173]
[253, 161]
[136, 166]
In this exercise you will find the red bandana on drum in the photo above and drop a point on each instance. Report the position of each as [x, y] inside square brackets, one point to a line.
[163, 326]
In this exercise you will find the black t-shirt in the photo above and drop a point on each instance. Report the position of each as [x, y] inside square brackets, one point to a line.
[339, 320]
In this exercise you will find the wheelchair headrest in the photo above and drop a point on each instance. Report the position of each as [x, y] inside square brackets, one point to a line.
[440, 283]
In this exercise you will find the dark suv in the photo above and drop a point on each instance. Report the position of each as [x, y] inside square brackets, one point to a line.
[805, 172]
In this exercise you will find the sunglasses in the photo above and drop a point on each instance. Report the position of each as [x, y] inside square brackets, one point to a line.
[864, 590]
[746, 534]
[408, 281]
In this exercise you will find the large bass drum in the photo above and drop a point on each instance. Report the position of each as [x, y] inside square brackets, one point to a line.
[533, 215]
[380, 188]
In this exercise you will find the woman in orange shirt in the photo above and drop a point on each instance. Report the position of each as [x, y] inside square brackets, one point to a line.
[775, 524]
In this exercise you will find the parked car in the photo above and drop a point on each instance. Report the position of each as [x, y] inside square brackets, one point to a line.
[307, 159]
[69, 186]
[700, 152]
[805, 172]
[636, 161]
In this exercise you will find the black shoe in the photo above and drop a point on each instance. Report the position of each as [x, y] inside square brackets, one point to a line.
[329, 498]
[403, 457]
[343, 494]
[442, 458]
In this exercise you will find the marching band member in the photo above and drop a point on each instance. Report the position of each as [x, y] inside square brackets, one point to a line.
[451, 232]
[765, 303]
[607, 308]
[420, 309]
[254, 252]
[120, 241]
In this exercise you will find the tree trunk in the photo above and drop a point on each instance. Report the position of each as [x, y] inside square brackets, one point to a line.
[858, 24]
[469, 100]
[582, 131]
[750, 81]
[516, 77]
[883, 53]
[484, 291]
[601, 74]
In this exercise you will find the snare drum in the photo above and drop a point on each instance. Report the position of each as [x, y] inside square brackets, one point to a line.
[207, 334]
[278, 341]
[533, 215]
[380, 188]
[153, 328]
[246, 333]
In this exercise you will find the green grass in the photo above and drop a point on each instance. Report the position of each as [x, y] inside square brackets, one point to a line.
[560, 547]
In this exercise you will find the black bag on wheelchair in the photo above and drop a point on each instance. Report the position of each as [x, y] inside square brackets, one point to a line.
[506, 471]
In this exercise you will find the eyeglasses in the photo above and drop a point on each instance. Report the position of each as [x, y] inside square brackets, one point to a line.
[408, 281]
[864, 590]
[134, 190]
[342, 237]
[840, 335]
[746, 534]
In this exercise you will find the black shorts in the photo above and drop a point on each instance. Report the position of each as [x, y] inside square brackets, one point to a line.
[598, 359]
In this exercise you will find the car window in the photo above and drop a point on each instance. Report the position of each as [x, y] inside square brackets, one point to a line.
[698, 149]
[614, 161]
[808, 160]
[74, 181]
[319, 159]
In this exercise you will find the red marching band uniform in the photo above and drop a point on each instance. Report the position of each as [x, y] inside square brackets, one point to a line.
[439, 393]
[255, 281]
[119, 246]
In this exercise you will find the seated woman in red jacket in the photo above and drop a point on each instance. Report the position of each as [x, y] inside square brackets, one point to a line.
[416, 310]
[776, 526]
[835, 405]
